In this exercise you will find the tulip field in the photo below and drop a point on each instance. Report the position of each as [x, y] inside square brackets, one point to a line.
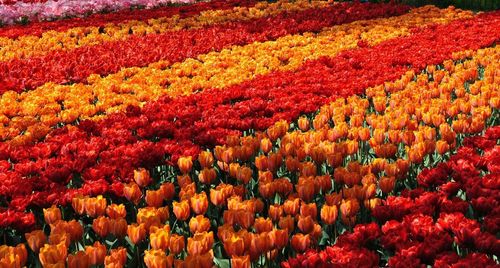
[244, 133]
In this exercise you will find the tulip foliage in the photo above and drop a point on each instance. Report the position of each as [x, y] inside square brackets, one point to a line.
[287, 134]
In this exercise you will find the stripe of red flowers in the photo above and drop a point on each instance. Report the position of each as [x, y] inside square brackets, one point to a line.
[38, 28]
[76, 65]
[141, 138]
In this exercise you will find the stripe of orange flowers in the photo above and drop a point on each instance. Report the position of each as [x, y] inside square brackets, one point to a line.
[40, 109]
[28, 46]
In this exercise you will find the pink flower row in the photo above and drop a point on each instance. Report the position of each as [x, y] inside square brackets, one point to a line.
[15, 11]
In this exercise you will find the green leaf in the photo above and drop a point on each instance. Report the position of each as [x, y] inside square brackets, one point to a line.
[222, 263]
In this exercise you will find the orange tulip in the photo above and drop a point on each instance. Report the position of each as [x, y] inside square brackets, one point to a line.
[132, 192]
[101, 226]
[184, 180]
[36, 240]
[176, 244]
[136, 233]
[305, 224]
[116, 258]
[156, 258]
[241, 261]
[275, 212]
[329, 214]
[279, 238]
[95, 207]
[80, 259]
[185, 164]
[442, 147]
[305, 188]
[309, 210]
[52, 254]
[78, 204]
[154, 198]
[199, 224]
[115, 211]
[349, 207]
[199, 203]
[291, 206]
[181, 210]
[142, 177]
[300, 242]
[244, 174]
[387, 184]
[200, 243]
[266, 145]
[207, 175]
[287, 222]
[371, 204]
[259, 244]
[118, 227]
[96, 253]
[52, 214]
[159, 237]
[333, 199]
[206, 159]
[60, 238]
[303, 123]
[234, 246]
[199, 261]
[245, 218]
[262, 225]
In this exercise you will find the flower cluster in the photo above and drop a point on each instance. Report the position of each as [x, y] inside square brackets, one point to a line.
[29, 46]
[424, 227]
[35, 10]
[141, 138]
[213, 70]
[101, 19]
[109, 57]
[340, 148]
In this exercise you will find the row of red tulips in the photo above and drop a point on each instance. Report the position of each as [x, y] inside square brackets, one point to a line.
[141, 138]
[428, 225]
[109, 57]
[38, 28]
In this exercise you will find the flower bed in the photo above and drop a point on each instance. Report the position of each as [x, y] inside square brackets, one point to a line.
[274, 134]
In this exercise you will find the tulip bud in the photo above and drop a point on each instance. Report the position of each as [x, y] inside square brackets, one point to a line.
[36, 240]
[199, 224]
[177, 244]
[117, 258]
[303, 123]
[154, 198]
[53, 254]
[157, 259]
[52, 214]
[329, 214]
[160, 238]
[101, 226]
[96, 253]
[300, 242]
[132, 192]
[136, 233]
[241, 261]
[199, 203]
[142, 177]
[80, 259]
[207, 175]
[115, 211]
[181, 210]
[206, 159]
[185, 164]
[234, 246]
[387, 184]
